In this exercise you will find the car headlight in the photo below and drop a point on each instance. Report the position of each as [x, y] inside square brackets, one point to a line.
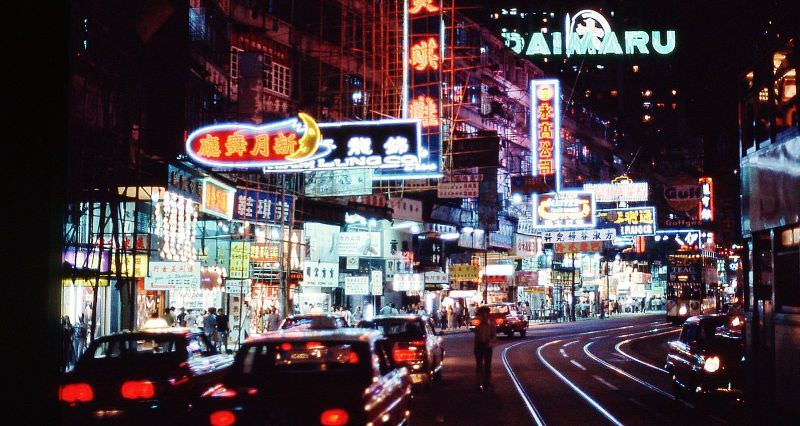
[682, 310]
[712, 364]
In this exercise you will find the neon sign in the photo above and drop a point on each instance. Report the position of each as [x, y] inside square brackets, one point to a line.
[424, 108]
[705, 208]
[546, 128]
[634, 221]
[621, 189]
[588, 32]
[565, 209]
[423, 55]
[418, 5]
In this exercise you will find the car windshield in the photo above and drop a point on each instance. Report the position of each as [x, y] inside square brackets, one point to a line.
[292, 362]
[402, 328]
[499, 309]
[152, 346]
[313, 322]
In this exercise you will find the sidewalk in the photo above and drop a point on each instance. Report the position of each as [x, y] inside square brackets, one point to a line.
[533, 323]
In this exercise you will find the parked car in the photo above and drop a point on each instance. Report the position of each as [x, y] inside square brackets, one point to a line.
[314, 322]
[415, 344]
[142, 376]
[307, 377]
[708, 357]
[506, 318]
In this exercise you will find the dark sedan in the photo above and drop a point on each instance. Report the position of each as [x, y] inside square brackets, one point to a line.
[307, 377]
[128, 377]
[708, 357]
[506, 318]
[415, 344]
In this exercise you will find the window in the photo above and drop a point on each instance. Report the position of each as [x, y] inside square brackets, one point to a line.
[279, 78]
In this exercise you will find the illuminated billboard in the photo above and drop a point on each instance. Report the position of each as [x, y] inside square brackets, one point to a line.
[546, 128]
[588, 32]
[621, 189]
[630, 222]
[565, 209]
[393, 148]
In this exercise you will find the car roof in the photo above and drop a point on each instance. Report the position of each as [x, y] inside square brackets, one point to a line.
[333, 335]
[400, 316]
[143, 333]
[329, 315]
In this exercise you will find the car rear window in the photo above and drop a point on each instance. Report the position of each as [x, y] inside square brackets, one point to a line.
[136, 346]
[399, 327]
[310, 322]
[280, 358]
[498, 309]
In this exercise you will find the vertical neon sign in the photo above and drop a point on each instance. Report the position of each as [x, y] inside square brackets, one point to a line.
[705, 208]
[546, 129]
[423, 55]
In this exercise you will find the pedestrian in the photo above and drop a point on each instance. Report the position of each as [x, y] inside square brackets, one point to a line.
[181, 318]
[459, 313]
[421, 310]
[169, 316]
[80, 332]
[451, 318]
[643, 305]
[394, 309]
[66, 336]
[273, 320]
[357, 315]
[602, 309]
[210, 326]
[348, 316]
[385, 310]
[244, 330]
[443, 318]
[223, 329]
[485, 336]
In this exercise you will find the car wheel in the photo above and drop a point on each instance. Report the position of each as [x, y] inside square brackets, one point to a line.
[510, 333]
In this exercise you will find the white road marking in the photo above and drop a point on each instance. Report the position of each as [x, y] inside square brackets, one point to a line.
[577, 364]
[582, 394]
[686, 403]
[601, 380]
[564, 354]
[618, 348]
[624, 373]
[570, 343]
[637, 402]
[537, 417]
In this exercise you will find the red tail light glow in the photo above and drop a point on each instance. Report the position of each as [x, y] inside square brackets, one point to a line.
[314, 345]
[476, 322]
[286, 346]
[222, 418]
[407, 354]
[76, 392]
[352, 358]
[135, 389]
[218, 391]
[334, 417]
[499, 321]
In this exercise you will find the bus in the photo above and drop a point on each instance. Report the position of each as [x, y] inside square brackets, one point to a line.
[688, 290]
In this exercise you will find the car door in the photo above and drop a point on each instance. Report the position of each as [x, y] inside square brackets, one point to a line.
[681, 352]
[388, 394]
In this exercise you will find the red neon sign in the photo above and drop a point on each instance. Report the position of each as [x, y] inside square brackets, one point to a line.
[418, 5]
[241, 145]
[425, 109]
[545, 129]
[423, 55]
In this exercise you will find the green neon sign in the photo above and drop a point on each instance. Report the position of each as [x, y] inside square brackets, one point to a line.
[589, 33]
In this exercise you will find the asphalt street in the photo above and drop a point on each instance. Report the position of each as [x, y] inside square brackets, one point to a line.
[600, 372]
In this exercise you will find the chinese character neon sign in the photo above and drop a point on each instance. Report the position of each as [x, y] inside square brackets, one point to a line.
[418, 5]
[243, 145]
[425, 109]
[423, 55]
[705, 208]
[546, 128]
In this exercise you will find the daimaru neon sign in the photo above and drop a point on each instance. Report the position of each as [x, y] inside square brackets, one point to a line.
[589, 33]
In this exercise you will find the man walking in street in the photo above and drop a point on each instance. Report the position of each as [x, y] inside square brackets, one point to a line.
[170, 316]
[181, 318]
[210, 326]
[222, 329]
[385, 310]
[485, 336]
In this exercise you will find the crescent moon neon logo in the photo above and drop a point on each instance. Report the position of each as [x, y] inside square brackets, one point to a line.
[239, 145]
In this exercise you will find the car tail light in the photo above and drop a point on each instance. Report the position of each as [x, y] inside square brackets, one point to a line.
[135, 389]
[218, 391]
[352, 358]
[712, 364]
[286, 346]
[416, 344]
[76, 392]
[314, 345]
[222, 418]
[407, 354]
[476, 322]
[499, 321]
[334, 417]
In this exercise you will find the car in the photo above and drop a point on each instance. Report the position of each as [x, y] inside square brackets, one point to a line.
[506, 318]
[314, 322]
[415, 344]
[708, 357]
[133, 377]
[305, 377]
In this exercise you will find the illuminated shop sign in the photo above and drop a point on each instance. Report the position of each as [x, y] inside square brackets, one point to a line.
[261, 206]
[423, 50]
[217, 199]
[588, 32]
[175, 222]
[565, 209]
[408, 282]
[684, 239]
[621, 189]
[634, 221]
[463, 272]
[171, 275]
[579, 235]
[300, 144]
[683, 197]
[582, 247]
[356, 286]
[705, 208]
[546, 128]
